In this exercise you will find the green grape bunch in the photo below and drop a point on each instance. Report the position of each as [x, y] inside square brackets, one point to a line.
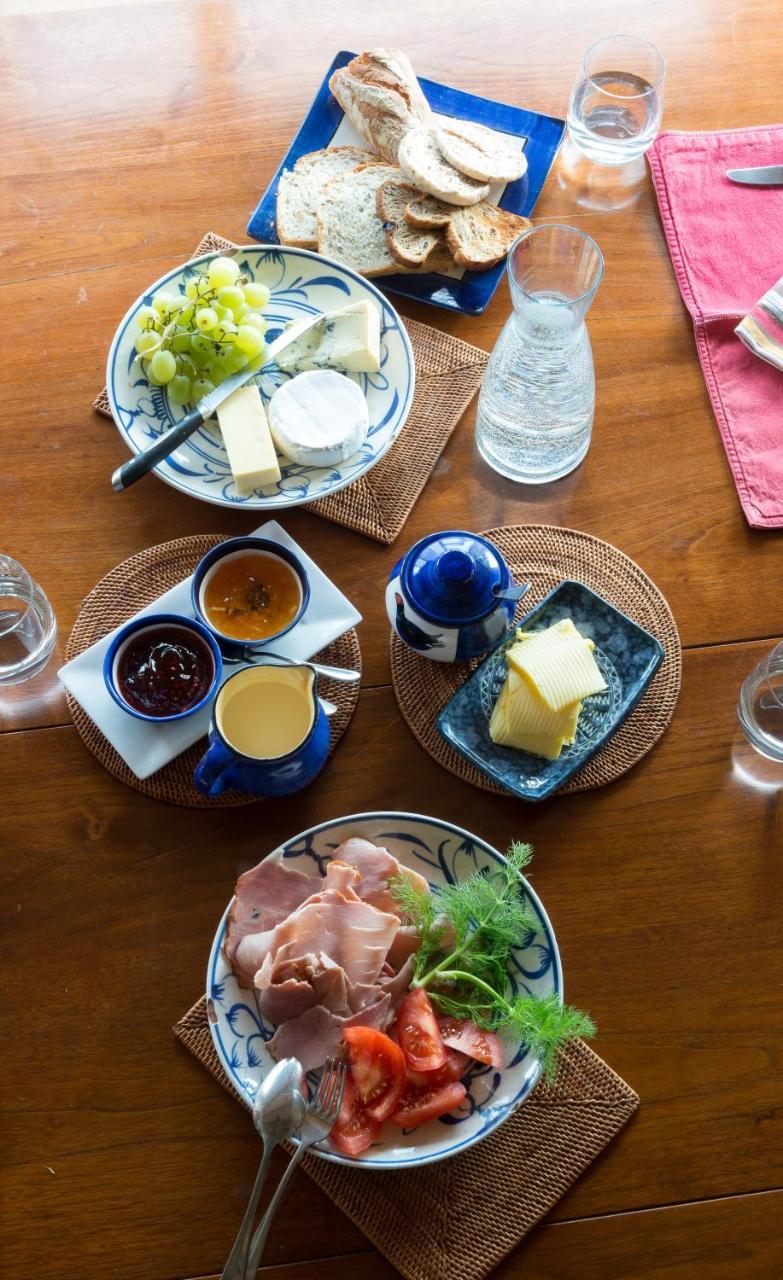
[190, 342]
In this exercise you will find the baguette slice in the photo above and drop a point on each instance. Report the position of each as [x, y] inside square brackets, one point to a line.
[420, 158]
[407, 245]
[349, 229]
[481, 236]
[481, 153]
[299, 190]
[427, 212]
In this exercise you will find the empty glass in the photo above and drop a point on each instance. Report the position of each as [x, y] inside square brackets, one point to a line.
[617, 100]
[537, 399]
[28, 629]
[760, 707]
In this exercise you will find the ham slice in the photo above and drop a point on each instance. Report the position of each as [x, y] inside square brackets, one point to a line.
[318, 1034]
[376, 867]
[265, 896]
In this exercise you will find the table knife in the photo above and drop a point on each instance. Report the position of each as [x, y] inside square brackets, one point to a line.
[768, 175]
[138, 466]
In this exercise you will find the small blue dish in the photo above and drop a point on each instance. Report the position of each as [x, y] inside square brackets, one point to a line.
[542, 136]
[149, 622]
[628, 657]
[233, 649]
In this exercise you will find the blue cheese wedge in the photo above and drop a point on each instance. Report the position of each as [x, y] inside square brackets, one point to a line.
[246, 435]
[319, 418]
[347, 340]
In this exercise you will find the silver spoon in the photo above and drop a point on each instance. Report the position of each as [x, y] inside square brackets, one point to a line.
[344, 674]
[278, 1111]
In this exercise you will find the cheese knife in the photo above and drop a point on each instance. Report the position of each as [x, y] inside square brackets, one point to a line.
[768, 175]
[138, 466]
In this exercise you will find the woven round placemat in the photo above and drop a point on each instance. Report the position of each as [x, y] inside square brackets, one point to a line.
[133, 585]
[544, 555]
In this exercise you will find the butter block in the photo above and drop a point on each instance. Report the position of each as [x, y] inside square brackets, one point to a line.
[521, 720]
[347, 340]
[248, 441]
[558, 665]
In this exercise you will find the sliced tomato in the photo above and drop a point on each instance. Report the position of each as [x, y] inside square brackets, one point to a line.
[484, 1046]
[420, 1105]
[418, 1032]
[354, 1131]
[454, 1068]
[378, 1070]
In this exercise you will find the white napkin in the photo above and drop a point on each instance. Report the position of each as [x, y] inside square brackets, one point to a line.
[146, 747]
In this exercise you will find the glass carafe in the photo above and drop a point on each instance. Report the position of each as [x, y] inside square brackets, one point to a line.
[537, 399]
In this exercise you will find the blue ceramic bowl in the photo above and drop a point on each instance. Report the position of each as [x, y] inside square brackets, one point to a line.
[229, 645]
[145, 623]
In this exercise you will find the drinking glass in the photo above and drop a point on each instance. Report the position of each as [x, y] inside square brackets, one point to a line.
[616, 103]
[760, 707]
[535, 411]
[28, 629]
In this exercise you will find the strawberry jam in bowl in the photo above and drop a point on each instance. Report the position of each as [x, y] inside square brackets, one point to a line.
[162, 667]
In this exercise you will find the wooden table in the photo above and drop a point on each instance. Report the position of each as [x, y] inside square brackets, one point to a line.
[127, 133]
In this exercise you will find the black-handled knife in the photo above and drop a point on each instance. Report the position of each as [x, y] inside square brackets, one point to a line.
[136, 467]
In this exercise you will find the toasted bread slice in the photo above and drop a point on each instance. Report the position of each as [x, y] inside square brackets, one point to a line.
[481, 236]
[407, 245]
[349, 229]
[299, 189]
[427, 212]
[420, 158]
[481, 153]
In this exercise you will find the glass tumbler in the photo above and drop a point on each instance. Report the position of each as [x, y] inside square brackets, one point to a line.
[616, 103]
[535, 412]
[760, 707]
[28, 629]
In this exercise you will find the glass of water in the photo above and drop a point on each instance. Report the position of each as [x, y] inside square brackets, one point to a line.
[760, 707]
[28, 629]
[617, 100]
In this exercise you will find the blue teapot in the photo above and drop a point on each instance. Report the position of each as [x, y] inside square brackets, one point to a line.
[269, 734]
[452, 597]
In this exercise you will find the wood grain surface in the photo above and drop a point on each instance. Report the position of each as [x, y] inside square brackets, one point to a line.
[127, 133]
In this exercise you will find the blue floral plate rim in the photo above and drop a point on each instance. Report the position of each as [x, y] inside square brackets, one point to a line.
[557, 780]
[472, 294]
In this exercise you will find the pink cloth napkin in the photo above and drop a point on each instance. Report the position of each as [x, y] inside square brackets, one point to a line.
[726, 245]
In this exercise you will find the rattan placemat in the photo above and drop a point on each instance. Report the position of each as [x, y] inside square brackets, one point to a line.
[448, 374]
[478, 1205]
[544, 555]
[133, 585]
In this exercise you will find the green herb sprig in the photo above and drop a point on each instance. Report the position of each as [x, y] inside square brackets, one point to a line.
[467, 932]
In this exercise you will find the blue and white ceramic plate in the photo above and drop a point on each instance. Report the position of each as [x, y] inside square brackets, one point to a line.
[444, 854]
[325, 125]
[628, 657]
[301, 284]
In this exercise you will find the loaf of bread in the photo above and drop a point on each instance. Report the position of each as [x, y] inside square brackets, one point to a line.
[380, 95]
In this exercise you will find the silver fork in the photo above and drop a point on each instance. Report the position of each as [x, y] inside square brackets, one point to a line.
[317, 1125]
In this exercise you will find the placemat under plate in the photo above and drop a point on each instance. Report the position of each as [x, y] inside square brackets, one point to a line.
[448, 374]
[544, 555]
[475, 1207]
[133, 585]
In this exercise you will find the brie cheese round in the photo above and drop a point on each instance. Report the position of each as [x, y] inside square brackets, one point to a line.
[318, 418]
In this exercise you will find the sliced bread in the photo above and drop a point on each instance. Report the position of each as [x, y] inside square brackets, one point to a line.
[481, 236]
[349, 229]
[420, 158]
[408, 245]
[428, 211]
[479, 152]
[299, 190]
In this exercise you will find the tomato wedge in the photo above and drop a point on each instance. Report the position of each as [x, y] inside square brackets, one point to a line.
[454, 1068]
[484, 1046]
[354, 1131]
[420, 1105]
[378, 1070]
[418, 1032]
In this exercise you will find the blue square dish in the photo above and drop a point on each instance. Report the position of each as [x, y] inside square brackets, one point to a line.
[628, 657]
[471, 293]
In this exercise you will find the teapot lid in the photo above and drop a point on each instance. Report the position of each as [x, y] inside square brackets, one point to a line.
[449, 577]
